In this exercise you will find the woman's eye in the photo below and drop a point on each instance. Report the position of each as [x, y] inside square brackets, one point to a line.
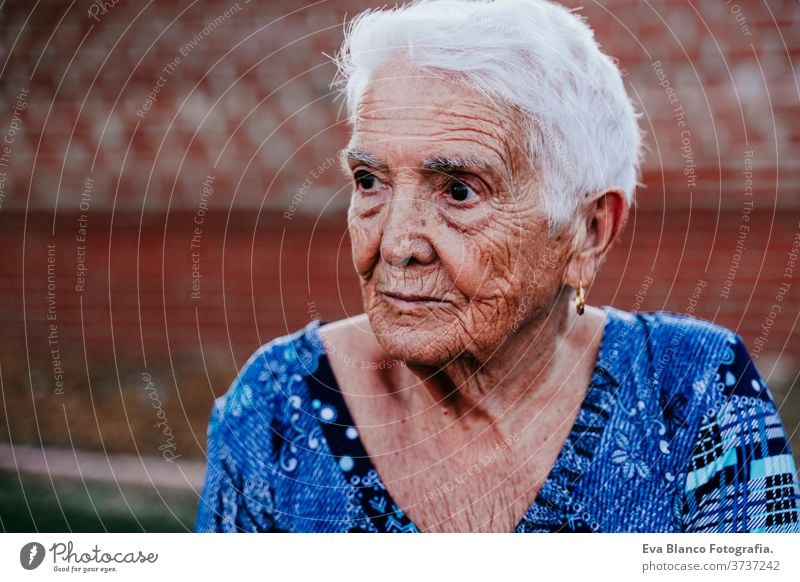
[366, 182]
[461, 192]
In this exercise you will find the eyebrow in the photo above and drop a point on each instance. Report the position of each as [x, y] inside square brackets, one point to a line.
[450, 164]
[358, 156]
[441, 163]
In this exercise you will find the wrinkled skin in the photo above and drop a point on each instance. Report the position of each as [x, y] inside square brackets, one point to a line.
[476, 242]
[465, 283]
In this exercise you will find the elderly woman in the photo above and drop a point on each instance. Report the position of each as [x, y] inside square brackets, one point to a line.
[494, 157]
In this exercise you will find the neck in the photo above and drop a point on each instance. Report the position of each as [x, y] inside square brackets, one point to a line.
[526, 369]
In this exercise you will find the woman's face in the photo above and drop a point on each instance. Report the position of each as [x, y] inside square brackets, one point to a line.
[449, 233]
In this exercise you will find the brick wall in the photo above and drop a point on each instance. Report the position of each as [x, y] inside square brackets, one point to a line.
[113, 176]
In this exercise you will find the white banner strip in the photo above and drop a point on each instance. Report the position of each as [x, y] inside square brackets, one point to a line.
[323, 558]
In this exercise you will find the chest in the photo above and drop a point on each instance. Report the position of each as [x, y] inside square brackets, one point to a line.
[479, 488]
[453, 477]
[459, 471]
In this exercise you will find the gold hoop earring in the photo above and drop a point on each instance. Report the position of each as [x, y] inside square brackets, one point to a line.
[580, 299]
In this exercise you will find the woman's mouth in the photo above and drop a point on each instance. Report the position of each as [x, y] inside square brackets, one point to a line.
[404, 300]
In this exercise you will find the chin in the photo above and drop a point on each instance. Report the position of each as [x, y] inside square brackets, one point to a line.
[418, 341]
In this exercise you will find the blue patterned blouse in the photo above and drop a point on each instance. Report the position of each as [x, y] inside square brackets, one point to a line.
[677, 432]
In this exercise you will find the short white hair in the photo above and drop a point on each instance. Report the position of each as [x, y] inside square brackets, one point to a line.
[534, 55]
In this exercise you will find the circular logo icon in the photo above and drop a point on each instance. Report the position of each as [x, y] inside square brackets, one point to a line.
[31, 555]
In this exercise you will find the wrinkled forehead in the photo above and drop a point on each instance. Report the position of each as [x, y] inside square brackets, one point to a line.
[415, 115]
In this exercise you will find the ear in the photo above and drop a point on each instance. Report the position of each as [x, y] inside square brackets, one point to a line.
[599, 221]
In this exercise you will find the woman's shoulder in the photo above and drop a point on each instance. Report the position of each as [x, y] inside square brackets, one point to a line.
[691, 325]
[269, 378]
[676, 356]
[686, 361]
[690, 346]
[669, 337]
[676, 327]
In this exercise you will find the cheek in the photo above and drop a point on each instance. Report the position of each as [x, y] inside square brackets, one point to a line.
[473, 249]
[365, 242]
[543, 262]
[516, 270]
[494, 260]
[476, 264]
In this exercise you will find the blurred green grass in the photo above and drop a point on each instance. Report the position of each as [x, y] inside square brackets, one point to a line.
[33, 504]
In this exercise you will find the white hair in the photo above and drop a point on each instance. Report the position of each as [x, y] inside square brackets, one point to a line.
[533, 55]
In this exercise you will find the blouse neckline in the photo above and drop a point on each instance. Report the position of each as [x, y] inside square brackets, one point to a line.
[552, 507]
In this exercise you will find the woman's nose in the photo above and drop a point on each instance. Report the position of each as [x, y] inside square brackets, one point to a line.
[406, 237]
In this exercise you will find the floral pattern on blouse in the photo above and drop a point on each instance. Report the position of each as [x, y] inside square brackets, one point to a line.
[677, 432]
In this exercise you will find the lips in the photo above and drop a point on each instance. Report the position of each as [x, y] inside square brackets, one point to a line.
[404, 298]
